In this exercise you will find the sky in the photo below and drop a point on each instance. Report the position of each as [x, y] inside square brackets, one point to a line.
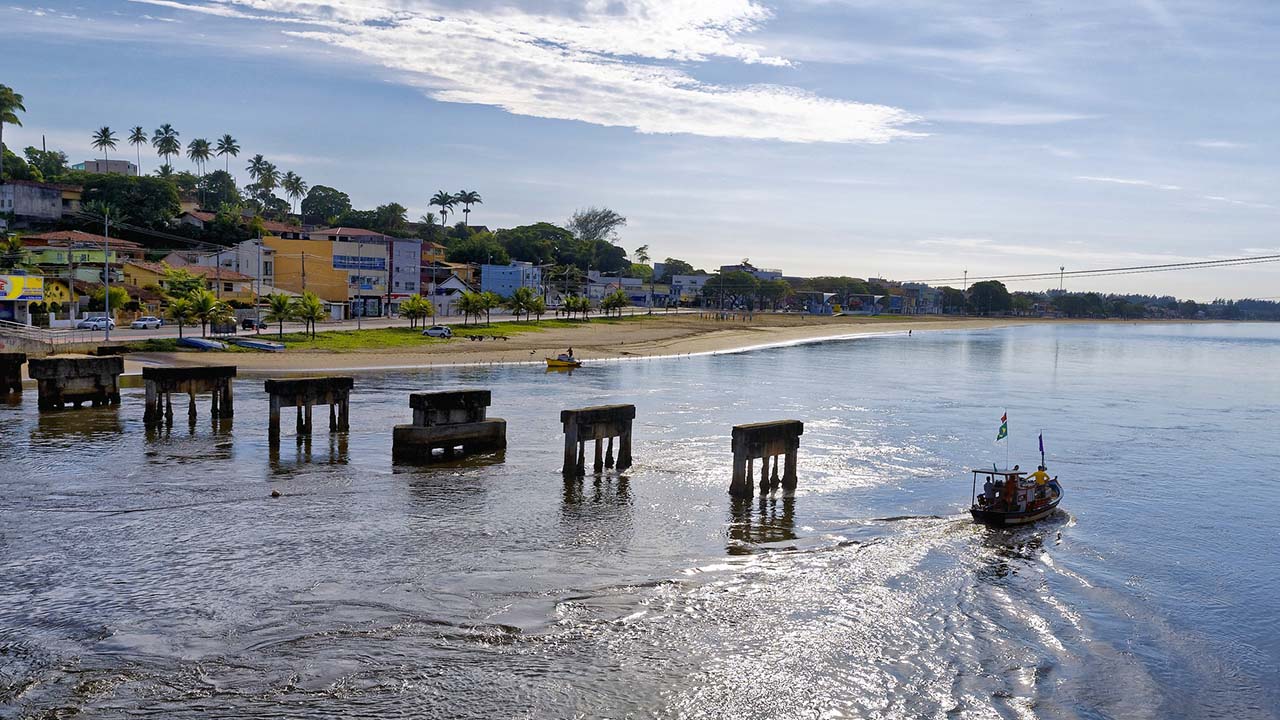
[895, 138]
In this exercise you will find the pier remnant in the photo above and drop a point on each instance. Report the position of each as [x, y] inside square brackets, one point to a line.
[76, 380]
[302, 394]
[762, 441]
[448, 421]
[11, 373]
[163, 382]
[600, 423]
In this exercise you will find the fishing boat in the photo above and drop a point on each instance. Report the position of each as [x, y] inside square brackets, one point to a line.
[256, 344]
[201, 344]
[1009, 497]
[561, 363]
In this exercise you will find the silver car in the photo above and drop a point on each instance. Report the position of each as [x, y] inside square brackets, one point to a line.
[96, 322]
[147, 322]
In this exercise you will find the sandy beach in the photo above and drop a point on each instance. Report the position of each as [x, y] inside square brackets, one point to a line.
[659, 336]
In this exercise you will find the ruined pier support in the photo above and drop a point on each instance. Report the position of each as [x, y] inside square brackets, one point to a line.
[162, 383]
[448, 422]
[302, 394]
[11, 373]
[601, 423]
[77, 380]
[765, 441]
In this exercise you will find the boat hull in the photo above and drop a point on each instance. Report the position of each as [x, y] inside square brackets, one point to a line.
[553, 363]
[1000, 518]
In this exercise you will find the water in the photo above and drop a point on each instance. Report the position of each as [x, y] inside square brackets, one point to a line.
[153, 575]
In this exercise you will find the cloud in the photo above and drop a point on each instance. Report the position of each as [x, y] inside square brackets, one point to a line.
[1007, 116]
[610, 64]
[1128, 181]
[1239, 203]
[1220, 144]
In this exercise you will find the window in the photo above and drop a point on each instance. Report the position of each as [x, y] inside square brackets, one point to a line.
[226, 287]
[266, 268]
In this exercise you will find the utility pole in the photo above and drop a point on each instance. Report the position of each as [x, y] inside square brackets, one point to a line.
[359, 279]
[1062, 270]
[217, 259]
[391, 269]
[106, 267]
[304, 270]
[257, 293]
[966, 280]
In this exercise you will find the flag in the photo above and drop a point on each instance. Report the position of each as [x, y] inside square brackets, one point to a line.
[1041, 444]
[1004, 427]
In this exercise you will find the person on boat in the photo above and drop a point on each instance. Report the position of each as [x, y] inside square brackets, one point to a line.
[1042, 478]
[566, 356]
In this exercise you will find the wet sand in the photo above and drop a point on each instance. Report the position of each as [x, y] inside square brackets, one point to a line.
[594, 340]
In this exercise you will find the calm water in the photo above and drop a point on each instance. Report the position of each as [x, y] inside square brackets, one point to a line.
[153, 575]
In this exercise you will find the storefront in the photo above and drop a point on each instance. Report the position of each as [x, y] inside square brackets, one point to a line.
[16, 293]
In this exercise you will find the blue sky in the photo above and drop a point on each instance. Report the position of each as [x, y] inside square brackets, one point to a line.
[865, 137]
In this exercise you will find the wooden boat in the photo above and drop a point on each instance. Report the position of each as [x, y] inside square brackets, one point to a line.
[256, 344]
[1021, 504]
[201, 344]
[558, 363]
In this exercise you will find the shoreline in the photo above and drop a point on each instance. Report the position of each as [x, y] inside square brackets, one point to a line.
[656, 338]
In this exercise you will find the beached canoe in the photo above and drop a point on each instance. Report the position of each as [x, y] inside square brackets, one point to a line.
[201, 344]
[255, 344]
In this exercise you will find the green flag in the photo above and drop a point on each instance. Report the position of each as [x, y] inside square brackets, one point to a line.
[1004, 427]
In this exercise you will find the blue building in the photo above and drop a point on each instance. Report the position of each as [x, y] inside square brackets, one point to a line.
[504, 279]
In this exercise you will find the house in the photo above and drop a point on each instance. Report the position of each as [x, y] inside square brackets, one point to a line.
[228, 285]
[688, 288]
[250, 257]
[82, 255]
[445, 294]
[199, 218]
[103, 167]
[505, 279]
[432, 252]
[922, 299]
[17, 292]
[30, 201]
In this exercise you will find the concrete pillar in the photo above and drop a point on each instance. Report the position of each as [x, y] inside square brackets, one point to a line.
[152, 412]
[572, 450]
[309, 426]
[333, 417]
[598, 467]
[273, 421]
[608, 456]
[228, 400]
[191, 406]
[344, 414]
[624, 450]
[298, 426]
[789, 473]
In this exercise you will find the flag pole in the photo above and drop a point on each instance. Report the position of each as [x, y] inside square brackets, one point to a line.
[1006, 441]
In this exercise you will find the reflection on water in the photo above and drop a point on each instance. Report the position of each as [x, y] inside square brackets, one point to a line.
[150, 572]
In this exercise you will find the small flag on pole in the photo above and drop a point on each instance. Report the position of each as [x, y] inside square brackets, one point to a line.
[1004, 427]
[1041, 444]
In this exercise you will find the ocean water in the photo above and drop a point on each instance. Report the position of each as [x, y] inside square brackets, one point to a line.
[151, 574]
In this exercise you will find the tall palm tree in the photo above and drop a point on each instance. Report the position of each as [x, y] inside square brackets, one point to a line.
[467, 198]
[444, 200]
[269, 178]
[10, 106]
[279, 309]
[254, 168]
[165, 141]
[104, 139]
[138, 138]
[199, 152]
[294, 186]
[228, 148]
[180, 312]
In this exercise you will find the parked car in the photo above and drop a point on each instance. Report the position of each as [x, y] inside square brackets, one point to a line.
[438, 331]
[147, 322]
[96, 322]
[253, 324]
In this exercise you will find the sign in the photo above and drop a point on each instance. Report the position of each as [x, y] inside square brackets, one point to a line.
[22, 287]
[355, 262]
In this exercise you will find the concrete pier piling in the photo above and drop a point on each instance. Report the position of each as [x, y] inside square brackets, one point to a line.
[765, 441]
[450, 422]
[302, 393]
[11, 373]
[601, 424]
[163, 382]
[76, 380]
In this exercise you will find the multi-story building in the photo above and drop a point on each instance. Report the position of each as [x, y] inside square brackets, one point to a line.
[746, 267]
[308, 266]
[504, 279]
[688, 288]
[249, 257]
[80, 255]
[102, 167]
[228, 285]
[30, 202]
[370, 272]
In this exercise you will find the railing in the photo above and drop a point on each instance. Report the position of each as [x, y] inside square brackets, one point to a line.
[54, 338]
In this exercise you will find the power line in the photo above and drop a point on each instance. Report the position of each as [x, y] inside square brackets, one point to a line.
[1129, 270]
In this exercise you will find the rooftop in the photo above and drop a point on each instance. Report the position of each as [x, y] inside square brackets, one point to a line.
[203, 271]
[65, 237]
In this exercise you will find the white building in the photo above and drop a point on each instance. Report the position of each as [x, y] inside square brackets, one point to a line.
[250, 257]
[504, 279]
[688, 288]
[102, 167]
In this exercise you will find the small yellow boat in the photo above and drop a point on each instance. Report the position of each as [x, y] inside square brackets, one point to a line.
[559, 363]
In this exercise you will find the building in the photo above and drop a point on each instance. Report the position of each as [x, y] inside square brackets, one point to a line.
[599, 285]
[249, 257]
[746, 267]
[308, 266]
[688, 288]
[445, 293]
[505, 279]
[103, 167]
[200, 218]
[228, 285]
[432, 252]
[405, 272]
[82, 255]
[923, 300]
[30, 202]
[17, 292]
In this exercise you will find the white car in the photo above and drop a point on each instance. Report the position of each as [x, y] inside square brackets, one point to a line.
[96, 322]
[438, 331]
[146, 322]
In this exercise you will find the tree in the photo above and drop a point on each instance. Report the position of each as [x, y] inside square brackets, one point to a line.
[614, 302]
[521, 301]
[324, 204]
[731, 289]
[165, 141]
[479, 248]
[12, 252]
[773, 292]
[467, 198]
[989, 296]
[390, 218]
[444, 201]
[137, 138]
[16, 168]
[471, 304]
[294, 186]
[10, 106]
[165, 172]
[672, 267]
[642, 257]
[104, 139]
[199, 152]
[309, 310]
[147, 201]
[179, 282]
[219, 190]
[595, 224]
[415, 308]
[279, 309]
[227, 148]
[204, 307]
[119, 296]
[539, 243]
[180, 312]
[952, 299]
[51, 164]
[537, 306]
[491, 300]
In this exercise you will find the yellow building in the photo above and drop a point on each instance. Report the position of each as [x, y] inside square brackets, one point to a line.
[307, 266]
[227, 284]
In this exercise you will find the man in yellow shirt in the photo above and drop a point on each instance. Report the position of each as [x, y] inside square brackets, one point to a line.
[1041, 477]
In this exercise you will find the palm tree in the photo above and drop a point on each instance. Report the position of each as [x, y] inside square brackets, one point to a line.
[180, 312]
[471, 304]
[279, 309]
[103, 140]
[204, 306]
[642, 257]
[165, 172]
[294, 186]
[308, 309]
[467, 198]
[199, 152]
[165, 141]
[445, 201]
[228, 148]
[254, 168]
[138, 138]
[521, 301]
[10, 106]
